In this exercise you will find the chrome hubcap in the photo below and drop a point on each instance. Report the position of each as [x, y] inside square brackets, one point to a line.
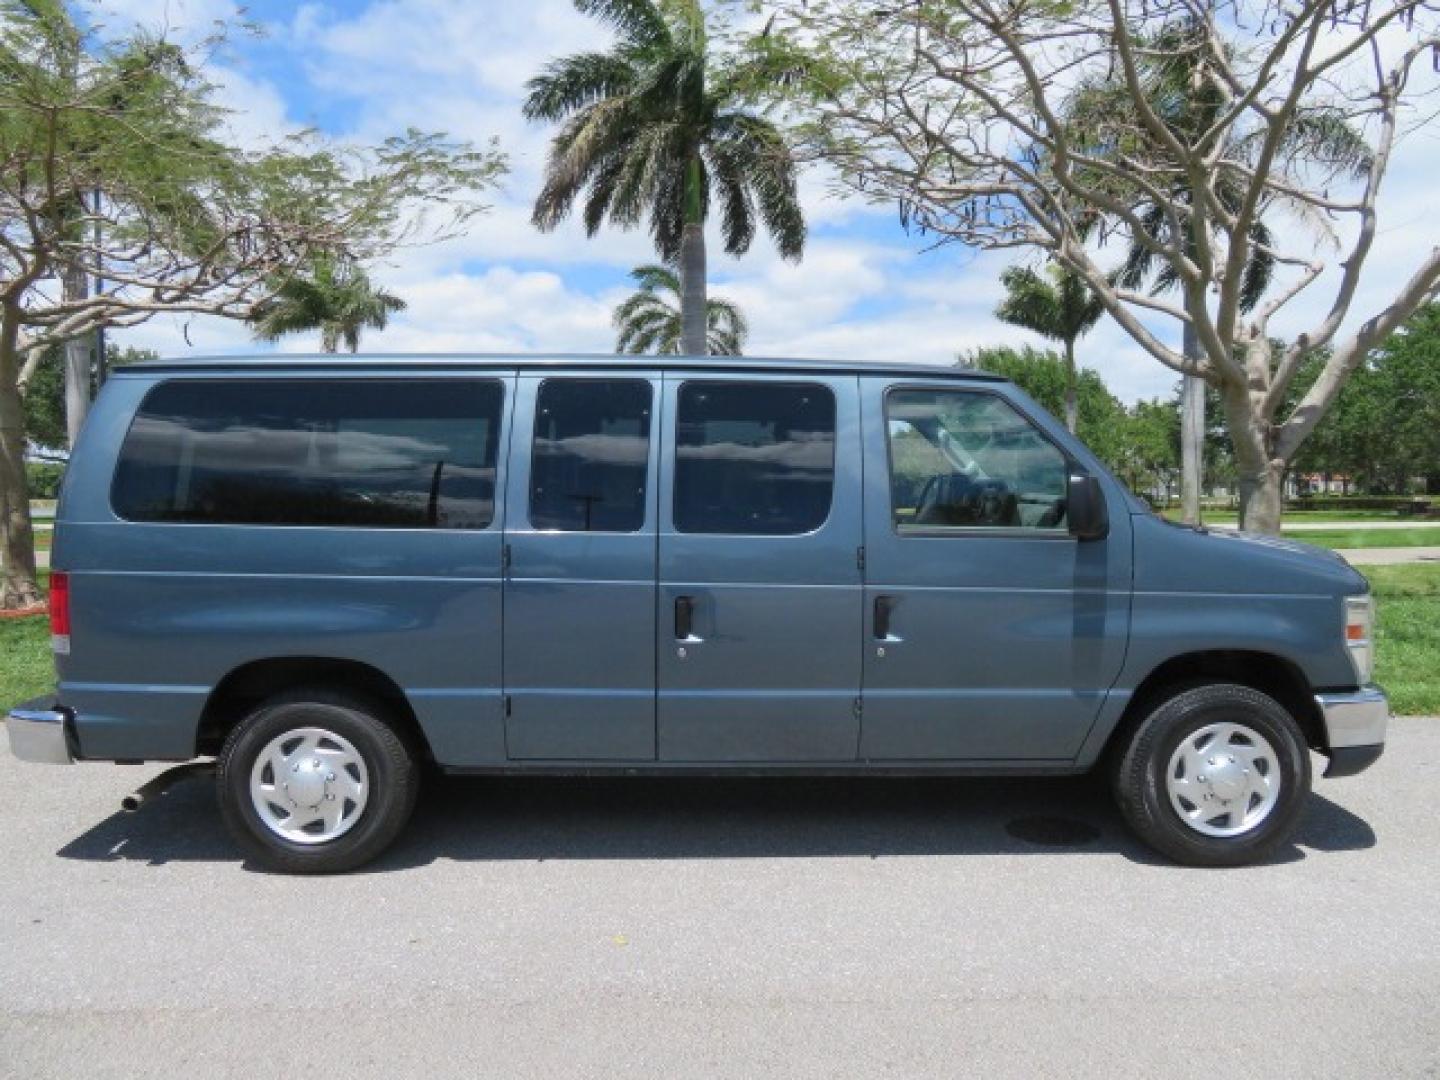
[309, 785]
[1223, 779]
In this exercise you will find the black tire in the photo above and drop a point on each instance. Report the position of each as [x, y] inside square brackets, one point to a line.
[1139, 779]
[394, 777]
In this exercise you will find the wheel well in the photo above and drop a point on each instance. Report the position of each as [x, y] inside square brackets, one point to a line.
[1270, 674]
[247, 686]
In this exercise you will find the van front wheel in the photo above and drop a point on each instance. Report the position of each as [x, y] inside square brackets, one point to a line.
[1216, 775]
[315, 782]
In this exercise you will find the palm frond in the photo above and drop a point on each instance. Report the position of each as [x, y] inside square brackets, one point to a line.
[756, 153]
[639, 22]
[1030, 302]
[648, 321]
[1062, 308]
[1325, 137]
[337, 299]
[636, 122]
[570, 83]
[653, 277]
[725, 328]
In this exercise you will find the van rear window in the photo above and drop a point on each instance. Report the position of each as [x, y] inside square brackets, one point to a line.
[372, 453]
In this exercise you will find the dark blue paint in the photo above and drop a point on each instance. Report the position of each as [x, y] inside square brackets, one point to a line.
[1005, 651]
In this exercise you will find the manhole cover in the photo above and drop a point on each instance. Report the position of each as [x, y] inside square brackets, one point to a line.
[1052, 831]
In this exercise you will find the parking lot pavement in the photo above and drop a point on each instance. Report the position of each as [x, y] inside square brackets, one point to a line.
[744, 928]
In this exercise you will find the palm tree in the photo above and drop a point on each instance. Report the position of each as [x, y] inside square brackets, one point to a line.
[650, 323]
[1189, 97]
[338, 299]
[1063, 309]
[652, 128]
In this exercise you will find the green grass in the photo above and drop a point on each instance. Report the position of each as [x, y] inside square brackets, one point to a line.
[1407, 641]
[1319, 517]
[1368, 538]
[26, 670]
[1407, 660]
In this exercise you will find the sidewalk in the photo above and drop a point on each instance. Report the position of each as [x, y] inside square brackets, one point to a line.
[1337, 526]
[1383, 556]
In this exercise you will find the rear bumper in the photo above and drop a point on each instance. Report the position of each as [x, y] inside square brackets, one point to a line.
[1355, 725]
[40, 731]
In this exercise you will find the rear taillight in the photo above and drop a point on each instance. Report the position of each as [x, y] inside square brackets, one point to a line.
[60, 612]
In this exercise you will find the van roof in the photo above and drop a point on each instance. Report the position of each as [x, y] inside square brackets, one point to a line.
[421, 361]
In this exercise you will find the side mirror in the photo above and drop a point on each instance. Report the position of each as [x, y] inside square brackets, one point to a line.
[1085, 507]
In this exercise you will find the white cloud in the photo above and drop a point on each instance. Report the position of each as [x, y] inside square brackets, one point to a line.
[863, 290]
[180, 20]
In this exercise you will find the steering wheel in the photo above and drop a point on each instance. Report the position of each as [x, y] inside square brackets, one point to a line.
[949, 499]
[923, 505]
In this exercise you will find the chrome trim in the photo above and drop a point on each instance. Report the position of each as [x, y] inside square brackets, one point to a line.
[40, 735]
[1356, 718]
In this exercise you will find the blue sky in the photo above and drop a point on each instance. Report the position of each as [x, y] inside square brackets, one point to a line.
[361, 70]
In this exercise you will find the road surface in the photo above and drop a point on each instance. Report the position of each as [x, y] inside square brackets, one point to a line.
[721, 928]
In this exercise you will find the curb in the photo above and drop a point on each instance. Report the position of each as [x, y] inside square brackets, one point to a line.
[26, 613]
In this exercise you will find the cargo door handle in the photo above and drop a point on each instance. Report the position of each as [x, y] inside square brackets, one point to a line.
[884, 605]
[684, 618]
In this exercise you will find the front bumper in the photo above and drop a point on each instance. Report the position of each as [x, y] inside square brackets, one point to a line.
[1355, 723]
[41, 731]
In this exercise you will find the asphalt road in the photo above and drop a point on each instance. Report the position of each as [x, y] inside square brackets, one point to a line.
[728, 928]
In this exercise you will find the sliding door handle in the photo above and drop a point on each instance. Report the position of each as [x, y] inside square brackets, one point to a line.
[684, 617]
[884, 605]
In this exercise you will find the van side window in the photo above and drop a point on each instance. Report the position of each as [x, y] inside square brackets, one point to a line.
[373, 453]
[591, 452]
[960, 459]
[754, 458]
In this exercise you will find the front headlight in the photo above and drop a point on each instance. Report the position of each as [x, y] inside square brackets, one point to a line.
[1360, 635]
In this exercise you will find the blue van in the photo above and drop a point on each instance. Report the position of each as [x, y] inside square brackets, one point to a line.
[329, 573]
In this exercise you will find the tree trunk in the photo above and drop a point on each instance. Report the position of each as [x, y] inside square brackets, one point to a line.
[1262, 507]
[1072, 404]
[693, 338]
[18, 588]
[1259, 472]
[1192, 434]
[75, 286]
[692, 291]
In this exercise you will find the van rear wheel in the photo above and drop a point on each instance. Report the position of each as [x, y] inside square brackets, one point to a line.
[315, 782]
[1216, 775]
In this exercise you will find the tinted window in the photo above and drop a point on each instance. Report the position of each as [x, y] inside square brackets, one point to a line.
[754, 458]
[970, 460]
[378, 453]
[592, 444]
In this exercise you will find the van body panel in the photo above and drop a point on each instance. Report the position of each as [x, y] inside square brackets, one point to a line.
[579, 615]
[191, 603]
[771, 669]
[1003, 643]
[1012, 652]
[1199, 591]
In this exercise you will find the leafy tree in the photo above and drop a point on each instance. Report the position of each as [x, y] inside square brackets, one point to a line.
[114, 166]
[1140, 445]
[649, 322]
[1062, 309]
[336, 297]
[1186, 96]
[1384, 430]
[1044, 375]
[1149, 458]
[655, 127]
[959, 112]
[45, 420]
